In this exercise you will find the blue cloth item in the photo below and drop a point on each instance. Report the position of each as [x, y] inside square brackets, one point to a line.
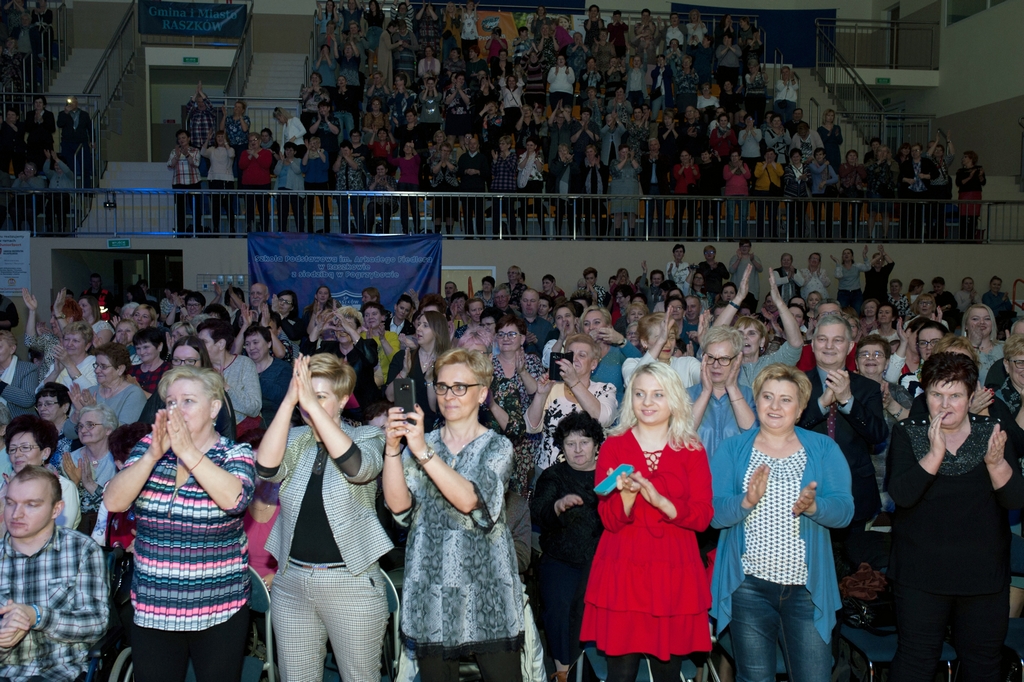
[610, 368]
[827, 466]
[719, 422]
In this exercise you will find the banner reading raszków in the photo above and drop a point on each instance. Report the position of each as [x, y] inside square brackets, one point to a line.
[191, 19]
[346, 264]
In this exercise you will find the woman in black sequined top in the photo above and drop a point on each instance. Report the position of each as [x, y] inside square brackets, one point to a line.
[953, 478]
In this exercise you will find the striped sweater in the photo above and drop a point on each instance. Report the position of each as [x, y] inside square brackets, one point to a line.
[191, 557]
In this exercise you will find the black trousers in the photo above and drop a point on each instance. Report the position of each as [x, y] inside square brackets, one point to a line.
[290, 202]
[624, 668]
[325, 205]
[216, 653]
[222, 200]
[498, 666]
[184, 203]
[251, 202]
[979, 627]
[473, 214]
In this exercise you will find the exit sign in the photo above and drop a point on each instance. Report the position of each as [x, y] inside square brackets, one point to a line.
[190, 60]
[882, 81]
[119, 243]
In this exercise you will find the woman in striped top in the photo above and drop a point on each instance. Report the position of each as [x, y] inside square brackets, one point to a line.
[190, 488]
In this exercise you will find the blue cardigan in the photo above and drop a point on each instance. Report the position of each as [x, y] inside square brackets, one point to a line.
[827, 466]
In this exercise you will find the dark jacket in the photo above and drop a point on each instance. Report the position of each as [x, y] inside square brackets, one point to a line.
[72, 135]
[663, 168]
[928, 168]
[474, 183]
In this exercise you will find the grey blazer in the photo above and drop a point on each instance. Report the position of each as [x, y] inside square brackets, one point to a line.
[21, 393]
[349, 502]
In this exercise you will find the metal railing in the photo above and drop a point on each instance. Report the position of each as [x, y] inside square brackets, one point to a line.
[188, 213]
[884, 44]
[50, 47]
[1020, 122]
[241, 65]
[108, 79]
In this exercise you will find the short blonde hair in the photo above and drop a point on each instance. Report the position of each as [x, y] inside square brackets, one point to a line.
[585, 339]
[1013, 346]
[950, 343]
[649, 325]
[211, 381]
[336, 371]
[351, 313]
[478, 363]
[781, 372]
[681, 431]
[722, 334]
[83, 329]
[153, 315]
[605, 315]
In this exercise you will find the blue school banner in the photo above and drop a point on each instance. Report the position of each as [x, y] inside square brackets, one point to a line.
[346, 264]
[191, 19]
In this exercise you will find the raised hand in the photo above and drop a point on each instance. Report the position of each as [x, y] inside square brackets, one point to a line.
[71, 470]
[996, 447]
[567, 502]
[30, 301]
[806, 503]
[981, 400]
[756, 486]
[936, 437]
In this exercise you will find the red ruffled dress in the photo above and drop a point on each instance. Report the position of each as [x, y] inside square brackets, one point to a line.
[648, 591]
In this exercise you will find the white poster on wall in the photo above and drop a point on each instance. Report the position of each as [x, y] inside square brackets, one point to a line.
[14, 262]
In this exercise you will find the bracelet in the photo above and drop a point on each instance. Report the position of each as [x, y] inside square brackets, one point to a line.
[733, 304]
[397, 454]
[201, 460]
[39, 616]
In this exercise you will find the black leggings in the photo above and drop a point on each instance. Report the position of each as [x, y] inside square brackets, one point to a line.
[624, 668]
[216, 652]
[499, 666]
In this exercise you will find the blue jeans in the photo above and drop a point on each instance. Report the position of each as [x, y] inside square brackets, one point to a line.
[785, 109]
[347, 124]
[765, 613]
[731, 207]
[853, 298]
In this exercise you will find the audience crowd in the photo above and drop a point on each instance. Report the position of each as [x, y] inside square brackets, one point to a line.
[753, 444]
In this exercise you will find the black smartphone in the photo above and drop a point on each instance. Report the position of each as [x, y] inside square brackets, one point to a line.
[554, 371]
[405, 395]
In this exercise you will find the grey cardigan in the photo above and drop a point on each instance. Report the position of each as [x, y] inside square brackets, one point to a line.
[348, 501]
[21, 393]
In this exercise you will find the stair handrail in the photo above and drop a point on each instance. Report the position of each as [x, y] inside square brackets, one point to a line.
[860, 87]
[1020, 122]
[114, 64]
[241, 65]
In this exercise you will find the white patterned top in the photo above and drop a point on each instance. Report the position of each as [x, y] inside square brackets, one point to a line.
[774, 550]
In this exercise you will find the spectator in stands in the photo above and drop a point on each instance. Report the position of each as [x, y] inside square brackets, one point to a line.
[76, 138]
[40, 127]
[215, 495]
[916, 174]
[347, 606]
[787, 94]
[722, 407]
[149, 345]
[74, 364]
[18, 378]
[33, 441]
[970, 178]
[812, 278]
[772, 483]
[113, 389]
[255, 165]
[239, 372]
[91, 466]
[951, 455]
[981, 329]
[183, 163]
[428, 479]
[273, 372]
[48, 632]
[657, 333]
[101, 330]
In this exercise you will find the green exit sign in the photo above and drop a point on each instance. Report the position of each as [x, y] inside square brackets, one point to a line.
[878, 81]
[119, 243]
[190, 60]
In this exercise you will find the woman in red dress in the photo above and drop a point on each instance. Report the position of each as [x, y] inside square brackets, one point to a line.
[648, 592]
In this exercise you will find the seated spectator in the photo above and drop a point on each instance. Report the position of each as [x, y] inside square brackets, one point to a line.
[74, 364]
[240, 375]
[31, 441]
[274, 373]
[113, 389]
[59, 604]
[91, 466]
[149, 348]
[657, 334]
[18, 378]
[722, 408]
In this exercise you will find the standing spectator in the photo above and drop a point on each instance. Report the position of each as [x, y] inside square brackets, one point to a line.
[737, 179]
[12, 143]
[715, 274]
[722, 407]
[967, 296]
[240, 376]
[812, 278]
[149, 346]
[952, 455]
[915, 179]
[474, 171]
[221, 159]
[787, 94]
[728, 57]
[831, 138]
[778, 491]
[741, 260]
[315, 164]
[848, 279]
[970, 178]
[39, 129]
[76, 143]
[236, 127]
[205, 516]
[255, 167]
[289, 184]
[876, 280]
[184, 166]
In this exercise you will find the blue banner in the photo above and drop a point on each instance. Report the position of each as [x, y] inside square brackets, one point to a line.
[346, 264]
[191, 19]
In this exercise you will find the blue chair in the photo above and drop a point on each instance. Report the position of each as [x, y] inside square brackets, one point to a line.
[880, 647]
[1015, 640]
[599, 664]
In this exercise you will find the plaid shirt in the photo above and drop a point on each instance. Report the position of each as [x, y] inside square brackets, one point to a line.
[67, 581]
[185, 167]
[201, 123]
[149, 381]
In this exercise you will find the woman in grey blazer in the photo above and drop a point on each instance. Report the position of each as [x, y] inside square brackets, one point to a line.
[327, 538]
[17, 383]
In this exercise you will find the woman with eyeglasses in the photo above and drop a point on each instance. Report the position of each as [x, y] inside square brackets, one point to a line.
[91, 466]
[53, 404]
[327, 538]
[114, 389]
[917, 343]
[31, 441]
[191, 352]
[512, 388]
[432, 340]
[461, 593]
[722, 408]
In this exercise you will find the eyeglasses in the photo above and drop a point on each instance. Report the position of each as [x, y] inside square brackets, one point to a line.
[49, 403]
[709, 253]
[86, 426]
[23, 449]
[191, 362]
[1019, 364]
[927, 344]
[456, 389]
[103, 367]
[507, 335]
[723, 361]
[870, 354]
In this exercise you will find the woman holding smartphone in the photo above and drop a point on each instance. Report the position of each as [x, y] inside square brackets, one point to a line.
[651, 519]
[461, 593]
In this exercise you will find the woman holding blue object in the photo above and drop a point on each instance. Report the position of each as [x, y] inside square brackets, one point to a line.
[777, 491]
[647, 594]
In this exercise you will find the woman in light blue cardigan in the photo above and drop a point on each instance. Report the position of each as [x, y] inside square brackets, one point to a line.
[777, 491]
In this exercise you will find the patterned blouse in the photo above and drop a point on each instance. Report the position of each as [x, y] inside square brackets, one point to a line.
[559, 406]
[774, 550]
[233, 130]
[511, 395]
[503, 173]
[461, 591]
[349, 178]
[191, 556]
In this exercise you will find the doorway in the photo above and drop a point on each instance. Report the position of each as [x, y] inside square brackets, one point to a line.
[119, 269]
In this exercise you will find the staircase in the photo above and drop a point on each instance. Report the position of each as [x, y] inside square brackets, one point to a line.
[277, 75]
[75, 73]
[155, 215]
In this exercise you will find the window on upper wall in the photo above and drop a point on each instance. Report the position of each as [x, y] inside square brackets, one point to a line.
[956, 10]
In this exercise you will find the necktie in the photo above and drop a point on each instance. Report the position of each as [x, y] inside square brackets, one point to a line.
[833, 410]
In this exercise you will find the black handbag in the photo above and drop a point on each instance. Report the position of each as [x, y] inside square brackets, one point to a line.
[880, 612]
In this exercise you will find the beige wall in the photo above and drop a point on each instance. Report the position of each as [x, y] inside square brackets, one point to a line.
[282, 32]
[95, 22]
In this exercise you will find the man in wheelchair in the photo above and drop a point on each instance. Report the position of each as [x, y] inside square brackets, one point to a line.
[54, 595]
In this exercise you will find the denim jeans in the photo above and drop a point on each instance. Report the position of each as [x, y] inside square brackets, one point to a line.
[785, 109]
[765, 613]
[347, 124]
[742, 221]
[853, 298]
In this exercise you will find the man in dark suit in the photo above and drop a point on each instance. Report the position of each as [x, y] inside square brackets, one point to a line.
[76, 139]
[848, 408]
[655, 182]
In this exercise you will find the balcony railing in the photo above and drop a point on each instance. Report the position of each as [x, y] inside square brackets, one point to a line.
[241, 65]
[884, 44]
[187, 213]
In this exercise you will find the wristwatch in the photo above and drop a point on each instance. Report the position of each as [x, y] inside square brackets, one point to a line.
[428, 454]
